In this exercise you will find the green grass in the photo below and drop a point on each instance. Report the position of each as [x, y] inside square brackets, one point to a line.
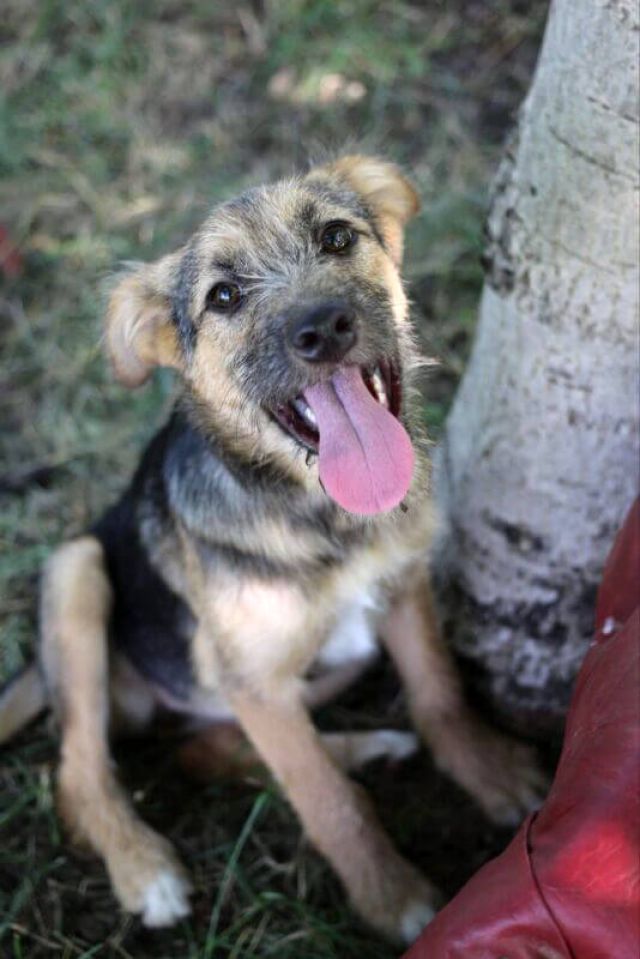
[121, 122]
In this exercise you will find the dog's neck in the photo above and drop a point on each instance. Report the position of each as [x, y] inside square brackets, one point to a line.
[224, 499]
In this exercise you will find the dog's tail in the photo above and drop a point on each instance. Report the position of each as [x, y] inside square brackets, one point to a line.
[21, 700]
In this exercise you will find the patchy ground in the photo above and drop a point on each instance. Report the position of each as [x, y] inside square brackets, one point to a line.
[120, 123]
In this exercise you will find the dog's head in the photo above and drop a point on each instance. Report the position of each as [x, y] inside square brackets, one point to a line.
[286, 317]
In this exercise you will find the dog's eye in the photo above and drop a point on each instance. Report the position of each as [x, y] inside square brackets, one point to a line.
[337, 238]
[224, 296]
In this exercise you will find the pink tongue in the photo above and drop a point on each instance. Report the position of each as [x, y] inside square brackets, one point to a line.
[366, 457]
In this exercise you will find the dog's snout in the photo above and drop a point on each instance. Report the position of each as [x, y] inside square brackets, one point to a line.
[324, 333]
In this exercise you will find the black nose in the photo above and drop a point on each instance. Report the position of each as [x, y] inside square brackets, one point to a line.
[324, 334]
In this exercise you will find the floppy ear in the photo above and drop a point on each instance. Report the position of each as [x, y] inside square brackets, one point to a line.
[391, 197]
[140, 333]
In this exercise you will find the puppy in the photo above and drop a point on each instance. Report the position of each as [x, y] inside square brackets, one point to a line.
[276, 529]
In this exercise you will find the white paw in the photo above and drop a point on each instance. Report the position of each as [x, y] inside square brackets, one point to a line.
[165, 900]
[396, 745]
[382, 744]
[413, 920]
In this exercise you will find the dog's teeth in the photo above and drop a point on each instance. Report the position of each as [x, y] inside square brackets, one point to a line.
[379, 388]
[303, 410]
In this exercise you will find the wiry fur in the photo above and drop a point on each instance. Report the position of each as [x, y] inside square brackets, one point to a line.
[226, 584]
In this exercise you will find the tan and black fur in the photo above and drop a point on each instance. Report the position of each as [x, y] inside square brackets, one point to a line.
[226, 584]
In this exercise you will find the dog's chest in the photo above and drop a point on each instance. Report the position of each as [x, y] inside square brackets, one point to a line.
[273, 630]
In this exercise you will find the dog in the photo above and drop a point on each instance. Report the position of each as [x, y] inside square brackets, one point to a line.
[276, 529]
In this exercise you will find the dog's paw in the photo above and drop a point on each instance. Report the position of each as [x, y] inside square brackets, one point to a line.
[396, 745]
[165, 900]
[413, 920]
[391, 744]
[518, 786]
[401, 904]
[513, 784]
[148, 879]
[501, 774]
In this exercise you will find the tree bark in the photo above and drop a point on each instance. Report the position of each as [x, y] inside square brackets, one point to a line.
[540, 458]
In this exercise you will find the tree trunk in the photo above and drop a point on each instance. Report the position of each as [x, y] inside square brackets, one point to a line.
[540, 458]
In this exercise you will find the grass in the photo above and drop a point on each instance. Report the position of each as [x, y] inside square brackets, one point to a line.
[120, 124]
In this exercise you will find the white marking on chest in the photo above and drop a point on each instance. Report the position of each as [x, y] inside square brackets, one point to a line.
[353, 638]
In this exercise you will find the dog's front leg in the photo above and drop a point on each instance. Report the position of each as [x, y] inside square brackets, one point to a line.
[336, 813]
[499, 772]
[76, 605]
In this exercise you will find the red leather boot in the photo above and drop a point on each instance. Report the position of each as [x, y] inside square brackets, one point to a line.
[568, 885]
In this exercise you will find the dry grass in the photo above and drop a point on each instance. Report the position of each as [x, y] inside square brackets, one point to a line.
[120, 123]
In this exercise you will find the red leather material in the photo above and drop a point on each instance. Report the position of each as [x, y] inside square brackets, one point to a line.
[568, 885]
[619, 592]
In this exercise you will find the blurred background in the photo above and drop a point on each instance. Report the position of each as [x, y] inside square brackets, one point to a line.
[121, 122]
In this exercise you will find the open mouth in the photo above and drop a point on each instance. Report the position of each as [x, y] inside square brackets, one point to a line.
[365, 455]
[299, 420]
